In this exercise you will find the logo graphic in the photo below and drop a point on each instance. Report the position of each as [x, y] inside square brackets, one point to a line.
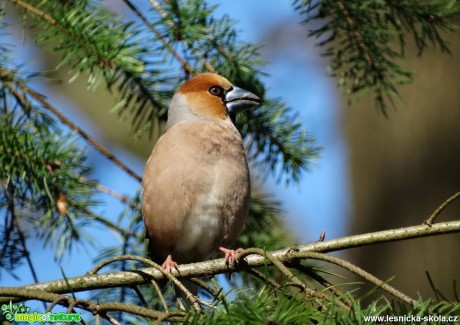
[20, 313]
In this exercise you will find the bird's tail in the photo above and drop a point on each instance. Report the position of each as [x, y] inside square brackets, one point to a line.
[183, 302]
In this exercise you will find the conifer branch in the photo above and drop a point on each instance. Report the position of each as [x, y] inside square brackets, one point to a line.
[170, 23]
[362, 39]
[99, 147]
[184, 64]
[41, 99]
[36, 11]
[93, 281]
[109, 224]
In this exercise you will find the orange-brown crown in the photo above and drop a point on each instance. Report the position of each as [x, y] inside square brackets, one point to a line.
[205, 95]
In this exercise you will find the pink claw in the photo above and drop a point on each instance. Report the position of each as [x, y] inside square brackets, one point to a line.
[168, 264]
[230, 255]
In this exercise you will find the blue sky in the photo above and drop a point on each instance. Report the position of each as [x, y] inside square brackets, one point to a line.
[296, 74]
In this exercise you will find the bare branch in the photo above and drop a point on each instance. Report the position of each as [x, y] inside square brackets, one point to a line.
[218, 266]
[441, 208]
[95, 308]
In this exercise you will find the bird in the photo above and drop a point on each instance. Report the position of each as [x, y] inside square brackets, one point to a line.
[196, 183]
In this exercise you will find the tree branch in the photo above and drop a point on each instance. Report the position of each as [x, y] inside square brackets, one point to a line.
[184, 64]
[41, 99]
[218, 266]
[441, 208]
[82, 133]
[360, 272]
[163, 14]
[34, 10]
[98, 308]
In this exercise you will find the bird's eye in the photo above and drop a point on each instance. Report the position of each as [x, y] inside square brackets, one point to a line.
[216, 91]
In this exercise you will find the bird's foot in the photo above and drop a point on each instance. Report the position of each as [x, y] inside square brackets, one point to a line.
[168, 264]
[230, 255]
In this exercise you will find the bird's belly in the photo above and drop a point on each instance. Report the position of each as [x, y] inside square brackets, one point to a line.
[213, 209]
[200, 233]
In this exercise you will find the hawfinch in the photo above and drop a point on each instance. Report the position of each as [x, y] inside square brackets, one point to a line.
[196, 190]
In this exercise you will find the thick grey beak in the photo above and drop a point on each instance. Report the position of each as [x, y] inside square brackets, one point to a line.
[238, 100]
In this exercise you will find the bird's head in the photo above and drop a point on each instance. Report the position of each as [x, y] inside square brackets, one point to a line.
[209, 96]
